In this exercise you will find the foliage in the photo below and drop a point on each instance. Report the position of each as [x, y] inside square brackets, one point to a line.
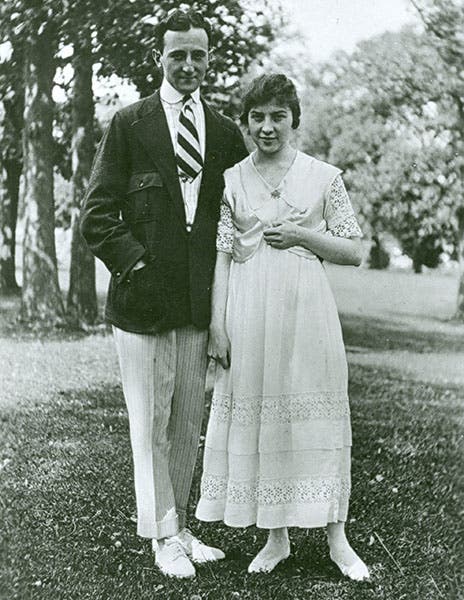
[123, 34]
[241, 34]
[12, 104]
[388, 116]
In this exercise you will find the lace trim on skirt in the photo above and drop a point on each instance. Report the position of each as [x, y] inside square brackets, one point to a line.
[298, 491]
[284, 408]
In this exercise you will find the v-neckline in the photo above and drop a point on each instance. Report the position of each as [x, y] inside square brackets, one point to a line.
[264, 180]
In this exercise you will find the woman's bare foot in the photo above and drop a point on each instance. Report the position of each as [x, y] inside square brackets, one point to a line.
[343, 554]
[276, 550]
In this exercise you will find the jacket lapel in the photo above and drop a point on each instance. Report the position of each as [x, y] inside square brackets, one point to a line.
[153, 131]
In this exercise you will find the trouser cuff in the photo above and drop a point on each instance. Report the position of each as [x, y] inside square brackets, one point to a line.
[167, 527]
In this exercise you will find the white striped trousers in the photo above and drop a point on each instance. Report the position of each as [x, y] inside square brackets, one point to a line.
[163, 379]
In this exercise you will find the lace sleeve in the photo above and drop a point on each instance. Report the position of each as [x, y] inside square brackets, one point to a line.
[339, 213]
[225, 232]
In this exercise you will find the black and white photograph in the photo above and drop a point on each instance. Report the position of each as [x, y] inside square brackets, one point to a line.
[232, 300]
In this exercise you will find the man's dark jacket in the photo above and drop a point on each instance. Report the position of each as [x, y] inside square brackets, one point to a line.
[134, 209]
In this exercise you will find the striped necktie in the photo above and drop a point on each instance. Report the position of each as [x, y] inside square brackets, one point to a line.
[189, 160]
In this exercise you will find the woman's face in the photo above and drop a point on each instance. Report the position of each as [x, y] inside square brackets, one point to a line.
[270, 126]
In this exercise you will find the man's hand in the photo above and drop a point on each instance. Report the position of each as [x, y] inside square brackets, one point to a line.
[219, 346]
[282, 235]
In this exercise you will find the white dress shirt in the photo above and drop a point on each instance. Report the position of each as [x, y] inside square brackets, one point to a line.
[171, 101]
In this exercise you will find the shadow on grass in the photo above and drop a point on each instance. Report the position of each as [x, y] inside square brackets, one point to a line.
[12, 327]
[67, 500]
[390, 334]
[365, 332]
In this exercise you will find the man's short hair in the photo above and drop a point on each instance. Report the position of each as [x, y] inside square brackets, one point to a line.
[181, 20]
[275, 87]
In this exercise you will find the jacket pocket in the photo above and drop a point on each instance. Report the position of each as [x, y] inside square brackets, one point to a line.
[143, 196]
[140, 298]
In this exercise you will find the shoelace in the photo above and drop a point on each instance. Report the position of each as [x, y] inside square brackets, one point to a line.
[193, 546]
[176, 548]
[187, 536]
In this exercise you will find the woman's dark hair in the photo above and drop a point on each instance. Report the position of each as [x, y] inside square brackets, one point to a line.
[275, 87]
[180, 20]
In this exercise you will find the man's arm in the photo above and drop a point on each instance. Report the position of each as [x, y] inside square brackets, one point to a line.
[107, 235]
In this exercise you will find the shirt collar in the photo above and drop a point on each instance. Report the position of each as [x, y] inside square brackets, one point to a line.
[170, 95]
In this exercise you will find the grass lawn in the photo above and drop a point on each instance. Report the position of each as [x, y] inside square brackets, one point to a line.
[66, 493]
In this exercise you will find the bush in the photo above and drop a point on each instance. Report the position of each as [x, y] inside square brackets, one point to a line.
[378, 256]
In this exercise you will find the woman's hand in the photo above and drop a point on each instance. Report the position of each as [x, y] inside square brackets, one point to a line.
[283, 235]
[219, 346]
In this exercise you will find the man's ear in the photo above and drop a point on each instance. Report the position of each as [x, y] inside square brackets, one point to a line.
[156, 56]
[211, 54]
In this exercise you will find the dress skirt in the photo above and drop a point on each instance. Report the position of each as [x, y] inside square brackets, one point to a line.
[278, 443]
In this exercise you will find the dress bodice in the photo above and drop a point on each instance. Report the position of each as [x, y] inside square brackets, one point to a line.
[300, 198]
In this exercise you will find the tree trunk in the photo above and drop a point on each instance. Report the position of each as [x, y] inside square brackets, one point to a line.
[460, 215]
[417, 261]
[378, 256]
[10, 172]
[42, 302]
[82, 296]
[11, 165]
[460, 300]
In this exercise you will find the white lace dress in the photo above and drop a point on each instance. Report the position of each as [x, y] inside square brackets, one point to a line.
[277, 449]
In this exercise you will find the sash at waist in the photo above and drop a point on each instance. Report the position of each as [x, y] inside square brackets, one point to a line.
[242, 253]
[303, 252]
[246, 243]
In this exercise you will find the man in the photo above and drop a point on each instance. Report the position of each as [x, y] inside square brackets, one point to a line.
[150, 215]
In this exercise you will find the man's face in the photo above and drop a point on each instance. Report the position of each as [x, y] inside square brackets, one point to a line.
[185, 58]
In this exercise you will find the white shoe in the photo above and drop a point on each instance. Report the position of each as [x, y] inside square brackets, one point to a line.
[358, 571]
[171, 558]
[196, 550]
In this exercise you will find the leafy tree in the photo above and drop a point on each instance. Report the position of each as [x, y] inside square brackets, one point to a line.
[29, 28]
[383, 114]
[41, 296]
[444, 24]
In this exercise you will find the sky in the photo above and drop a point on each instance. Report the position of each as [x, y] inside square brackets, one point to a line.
[329, 25]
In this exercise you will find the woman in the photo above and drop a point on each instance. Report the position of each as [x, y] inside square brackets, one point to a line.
[278, 443]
